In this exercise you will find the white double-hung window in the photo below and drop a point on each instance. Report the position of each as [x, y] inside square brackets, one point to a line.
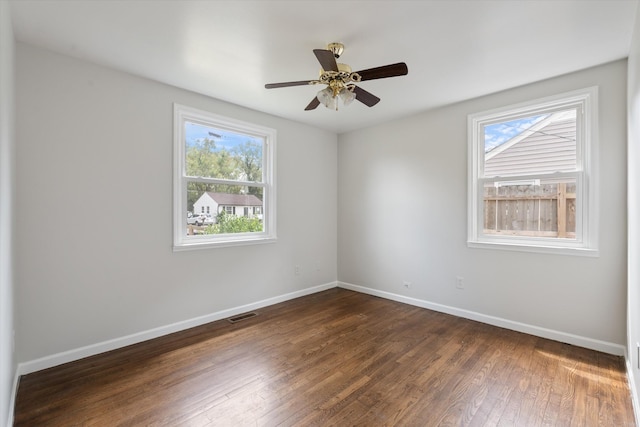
[533, 176]
[224, 181]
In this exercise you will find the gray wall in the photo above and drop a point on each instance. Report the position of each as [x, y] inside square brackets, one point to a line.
[94, 203]
[633, 323]
[402, 203]
[7, 359]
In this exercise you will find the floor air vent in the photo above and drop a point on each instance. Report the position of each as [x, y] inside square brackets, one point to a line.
[241, 317]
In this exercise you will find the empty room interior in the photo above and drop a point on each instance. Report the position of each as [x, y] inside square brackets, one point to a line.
[320, 213]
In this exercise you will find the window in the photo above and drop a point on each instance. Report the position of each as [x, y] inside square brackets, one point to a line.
[533, 176]
[219, 163]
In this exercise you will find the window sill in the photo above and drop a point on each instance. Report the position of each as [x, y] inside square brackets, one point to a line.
[195, 245]
[528, 247]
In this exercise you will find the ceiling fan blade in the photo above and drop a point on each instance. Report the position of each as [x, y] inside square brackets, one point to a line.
[287, 84]
[393, 70]
[326, 59]
[365, 97]
[313, 104]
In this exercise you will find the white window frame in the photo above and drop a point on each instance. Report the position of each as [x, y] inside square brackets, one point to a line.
[586, 174]
[181, 241]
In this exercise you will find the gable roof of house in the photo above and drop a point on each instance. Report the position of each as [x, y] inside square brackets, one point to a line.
[227, 199]
[548, 146]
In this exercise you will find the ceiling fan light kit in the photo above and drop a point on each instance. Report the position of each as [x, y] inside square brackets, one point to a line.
[340, 80]
[326, 98]
[347, 96]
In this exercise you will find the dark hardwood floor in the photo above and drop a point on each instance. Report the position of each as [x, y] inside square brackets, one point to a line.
[334, 358]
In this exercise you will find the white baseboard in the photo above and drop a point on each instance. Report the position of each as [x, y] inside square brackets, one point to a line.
[603, 346]
[93, 349]
[632, 388]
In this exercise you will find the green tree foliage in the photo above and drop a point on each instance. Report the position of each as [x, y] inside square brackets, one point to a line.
[201, 158]
[226, 223]
[249, 161]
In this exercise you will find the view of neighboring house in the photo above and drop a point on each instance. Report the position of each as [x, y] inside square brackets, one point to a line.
[247, 205]
[546, 147]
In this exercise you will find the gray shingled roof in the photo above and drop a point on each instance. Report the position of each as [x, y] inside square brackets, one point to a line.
[227, 199]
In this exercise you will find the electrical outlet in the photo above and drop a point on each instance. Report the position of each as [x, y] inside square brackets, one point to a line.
[296, 270]
[406, 284]
[460, 282]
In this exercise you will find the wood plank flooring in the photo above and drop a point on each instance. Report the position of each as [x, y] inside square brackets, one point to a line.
[334, 358]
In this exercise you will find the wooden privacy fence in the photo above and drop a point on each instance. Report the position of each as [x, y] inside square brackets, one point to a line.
[547, 210]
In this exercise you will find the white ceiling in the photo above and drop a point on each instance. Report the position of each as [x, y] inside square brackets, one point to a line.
[455, 50]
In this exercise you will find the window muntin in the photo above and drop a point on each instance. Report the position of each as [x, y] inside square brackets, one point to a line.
[221, 164]
[533, 174]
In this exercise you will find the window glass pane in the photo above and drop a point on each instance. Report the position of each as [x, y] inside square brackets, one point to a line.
[216, 153]
[535, 144]
[531, 208]
[233, 208]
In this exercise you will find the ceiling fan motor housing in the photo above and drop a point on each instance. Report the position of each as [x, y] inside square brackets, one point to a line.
[336, 49]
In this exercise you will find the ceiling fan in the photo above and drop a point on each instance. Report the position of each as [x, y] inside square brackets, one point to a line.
[340, 80]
